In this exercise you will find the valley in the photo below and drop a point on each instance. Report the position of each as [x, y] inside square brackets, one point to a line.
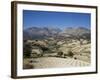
[54, 48]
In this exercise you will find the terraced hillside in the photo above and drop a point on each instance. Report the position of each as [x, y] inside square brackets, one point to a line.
[81, 52]
[49, 48]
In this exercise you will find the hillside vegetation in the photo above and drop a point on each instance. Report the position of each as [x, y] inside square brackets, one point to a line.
[48, 48]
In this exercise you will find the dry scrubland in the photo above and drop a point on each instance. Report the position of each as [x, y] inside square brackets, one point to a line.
[52, 53]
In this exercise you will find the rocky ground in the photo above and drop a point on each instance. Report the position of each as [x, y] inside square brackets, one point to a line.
[58, 53]
[54, 62]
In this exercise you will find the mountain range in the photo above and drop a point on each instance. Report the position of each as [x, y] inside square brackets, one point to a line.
[45, 32]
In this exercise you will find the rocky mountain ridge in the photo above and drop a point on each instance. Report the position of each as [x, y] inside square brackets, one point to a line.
[45, 32]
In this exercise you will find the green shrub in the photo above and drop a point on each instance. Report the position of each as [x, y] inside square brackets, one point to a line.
[75, 58]
[40, 55]
[26, 50]
[60, 54]
[70, 53]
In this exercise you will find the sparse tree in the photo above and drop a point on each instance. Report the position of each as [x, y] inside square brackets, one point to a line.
[27, 49]
[44, 48]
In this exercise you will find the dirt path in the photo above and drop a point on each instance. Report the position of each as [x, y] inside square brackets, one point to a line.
[53, 62]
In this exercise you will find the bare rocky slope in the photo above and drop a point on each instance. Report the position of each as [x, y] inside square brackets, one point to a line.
[52, 47]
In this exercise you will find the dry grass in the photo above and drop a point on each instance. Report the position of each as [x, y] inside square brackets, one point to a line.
[54, 62]
[81, 57]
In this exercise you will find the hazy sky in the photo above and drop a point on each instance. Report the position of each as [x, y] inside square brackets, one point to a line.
[55, 19]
